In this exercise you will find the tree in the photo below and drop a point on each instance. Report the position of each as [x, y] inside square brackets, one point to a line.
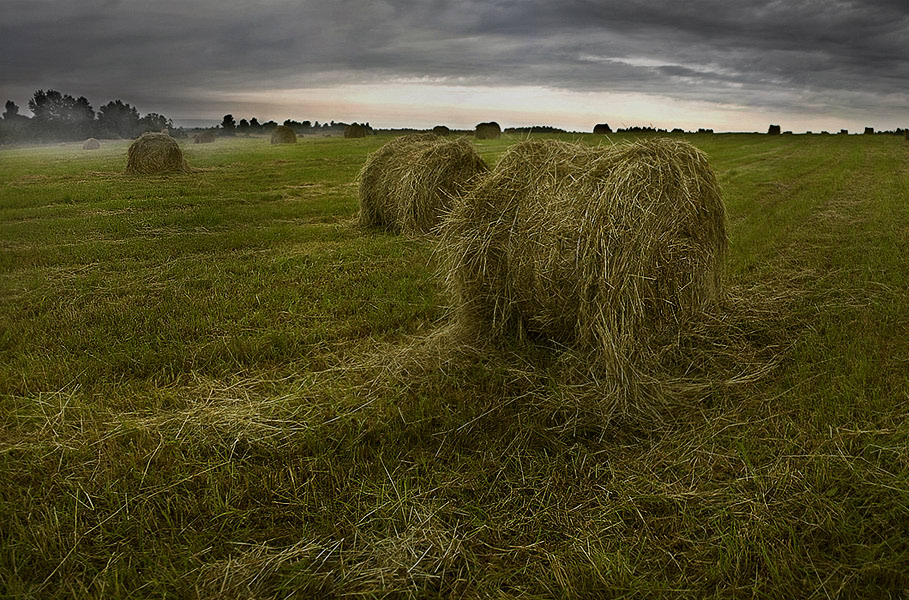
[12, 111]
[229, 125]
[59, 116]
[254, 123]
[154, 122]
[243, 127]
[119, 118]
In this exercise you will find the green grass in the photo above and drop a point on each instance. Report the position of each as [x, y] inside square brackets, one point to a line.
[185, 409]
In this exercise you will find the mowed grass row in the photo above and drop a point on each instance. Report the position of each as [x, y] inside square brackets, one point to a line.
[192, 398]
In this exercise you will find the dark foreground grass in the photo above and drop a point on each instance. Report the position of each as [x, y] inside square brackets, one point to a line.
[192, 404]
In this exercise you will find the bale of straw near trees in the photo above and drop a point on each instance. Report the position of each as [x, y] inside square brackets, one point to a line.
[869, 130]
[488, 131]
[602, 129]
[407, 184]
[91, 144]
[206, 137]
[354, 130]
[441, 130]
[283, 134]
[155, 153]
[608, 250]
[774, 130]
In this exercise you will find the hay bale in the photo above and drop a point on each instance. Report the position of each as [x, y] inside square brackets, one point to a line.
[354, 130]
[774, 130]
[441, 130]
[869, 130]
[407, 184]
[488, 131]
[206, 137]
[602, 129]
[283, 135]
[91, 144]
[608, 250]
[155, 153]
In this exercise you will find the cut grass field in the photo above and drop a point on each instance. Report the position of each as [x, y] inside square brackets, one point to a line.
[194, 400]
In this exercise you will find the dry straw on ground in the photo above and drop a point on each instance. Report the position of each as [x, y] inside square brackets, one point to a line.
[155, 153]
[206, 137]
[354, 131]
[407, 184]
[283, 135]
[607, 251]
[91, 144]
[441, 130]
[488, 131]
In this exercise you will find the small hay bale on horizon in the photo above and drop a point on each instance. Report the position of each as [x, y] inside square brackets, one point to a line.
[488, 131]
[355, 130]
[283, 134]
[441, 130]
[155, 153]
[774, 130]
[206, 137]
[869, 130]
[602, 129]
[407, 184]
[91, 144]
[606, 250]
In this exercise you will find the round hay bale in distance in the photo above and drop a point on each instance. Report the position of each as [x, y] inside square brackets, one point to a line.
[206, 137]
[283, 135]
[488, 131]
[602, 129]
[869, 130]
[407, 184]
[441, 130]
[354, 130]
[607, 250]
[154, 153]
[774, 130]
[91, 144]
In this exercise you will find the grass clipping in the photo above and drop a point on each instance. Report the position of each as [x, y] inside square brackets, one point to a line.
[409, 183]
[610, 252]
[283, 135]
[155, 153]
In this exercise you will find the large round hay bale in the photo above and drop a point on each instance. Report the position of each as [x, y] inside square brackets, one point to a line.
[488, 131]
[283, 135]
[607, 250]
[407, 184]
[206, 137]
[441, 130]
[602, 129]
[91, 144]
[155, 153]
[354, 130]
[774, 130]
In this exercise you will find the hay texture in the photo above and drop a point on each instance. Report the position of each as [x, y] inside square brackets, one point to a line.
[407, 184]
[91, 144]
[608, 251]
[206, 137]
[155, 153]
[602, 129]
[441, 130]
[488, 131]
[354, 131]
[283, 135]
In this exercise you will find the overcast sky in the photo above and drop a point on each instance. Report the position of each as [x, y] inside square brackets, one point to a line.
[726, 64]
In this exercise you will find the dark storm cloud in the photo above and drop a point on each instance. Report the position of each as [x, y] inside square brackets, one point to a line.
[822, 54]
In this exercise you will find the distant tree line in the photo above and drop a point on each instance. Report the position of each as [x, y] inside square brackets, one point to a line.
[62, 117]
[229, 126]
[535, 129]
